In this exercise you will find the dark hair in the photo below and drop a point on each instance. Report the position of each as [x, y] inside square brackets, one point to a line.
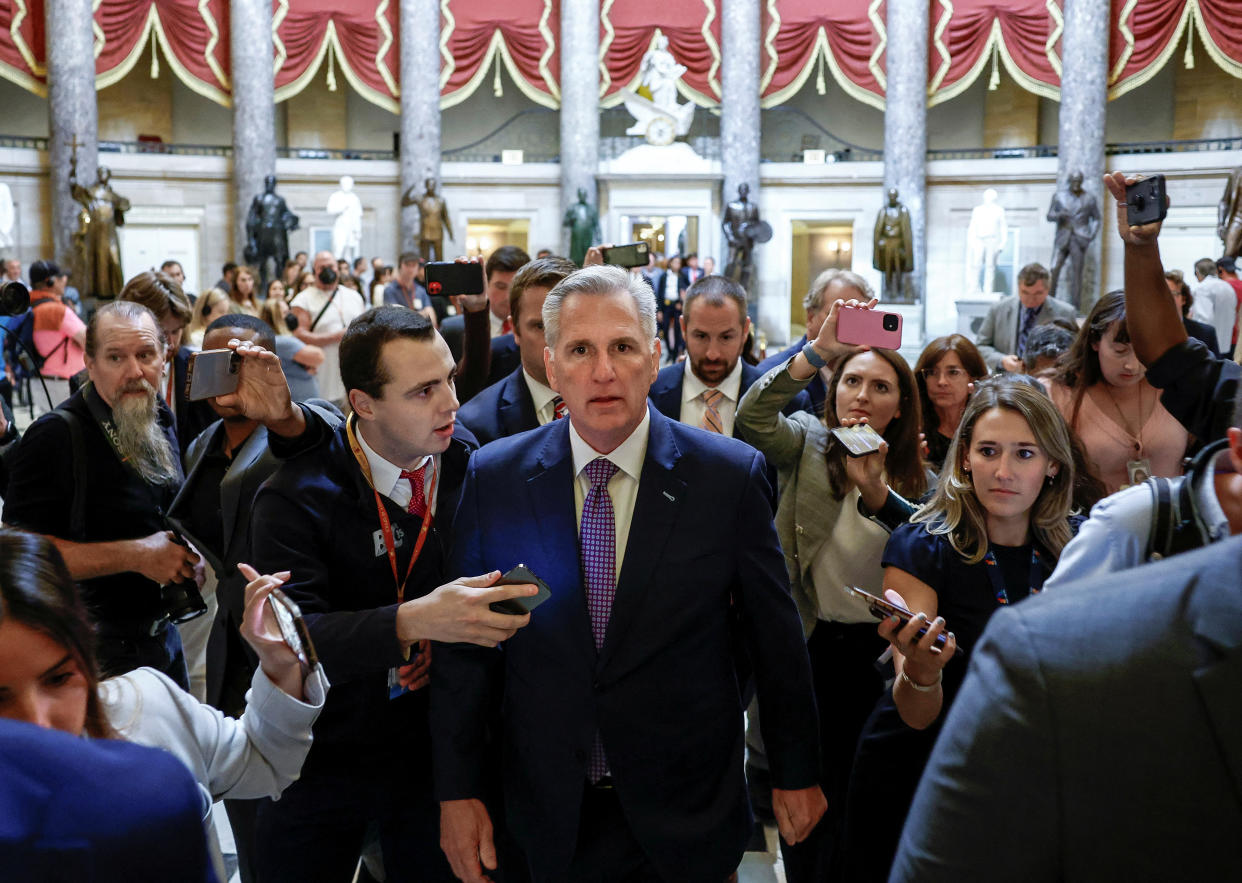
[542, 273]
[1032, 273]
[37, 591]
[231, 266]
[1188, 297]
[159, 293]
[409, 257]
[904, 461]
[506, 259]
[717, 291]
[1046, 342]
[363, 344]
[264, 336]
[971, 361]
[298, 253]
[122, 309]
[1080, 367]
[358, 261]
[164, 266]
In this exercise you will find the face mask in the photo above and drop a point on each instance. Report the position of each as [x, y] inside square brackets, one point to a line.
[327, 275]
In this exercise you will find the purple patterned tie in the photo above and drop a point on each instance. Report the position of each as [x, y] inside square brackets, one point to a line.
[598, 542]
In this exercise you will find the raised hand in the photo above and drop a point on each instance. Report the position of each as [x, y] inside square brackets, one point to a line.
[1144, 234]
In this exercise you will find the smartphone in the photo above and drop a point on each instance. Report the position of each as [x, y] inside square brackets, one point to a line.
[632, 255]
[1146, 201]
[869, 328]
[859, 440]
[448, 278]
[293, 629]
[521, 575]
[212, 373]
[882, 609]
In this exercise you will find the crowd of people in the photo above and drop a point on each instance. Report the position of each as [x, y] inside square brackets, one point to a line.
[578, 570]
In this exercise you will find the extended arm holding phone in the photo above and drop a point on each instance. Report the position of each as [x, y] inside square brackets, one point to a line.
[918, 660]
[826, 346]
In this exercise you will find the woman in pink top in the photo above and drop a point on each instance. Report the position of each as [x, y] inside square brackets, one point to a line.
[59, 335]
[1102, 390]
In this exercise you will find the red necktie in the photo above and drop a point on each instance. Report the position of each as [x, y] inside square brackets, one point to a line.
[506, 327]
[559, 408]
[418, 502]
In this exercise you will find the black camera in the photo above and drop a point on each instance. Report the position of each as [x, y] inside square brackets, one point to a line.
[14, 299]
[291, 320]
[182, 601]
[891, 321]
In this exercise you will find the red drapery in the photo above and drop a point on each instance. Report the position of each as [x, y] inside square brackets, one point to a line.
[842, 39]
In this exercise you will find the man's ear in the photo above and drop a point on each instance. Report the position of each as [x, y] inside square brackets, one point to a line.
[362, 404]
[549, 368]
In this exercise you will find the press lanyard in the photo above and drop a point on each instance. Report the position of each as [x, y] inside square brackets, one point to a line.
[385, 523]
[998, 580]
[103, 416]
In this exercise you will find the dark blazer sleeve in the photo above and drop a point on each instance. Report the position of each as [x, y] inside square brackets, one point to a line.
[472, 370]
[463, 675]
[773, 633]
[993, 760]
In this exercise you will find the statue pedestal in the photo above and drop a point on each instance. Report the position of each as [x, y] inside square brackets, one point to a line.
[971, 312]
[677, 158]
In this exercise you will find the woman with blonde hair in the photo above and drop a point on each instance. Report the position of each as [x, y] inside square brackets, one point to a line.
[211, 305]
[989, 536]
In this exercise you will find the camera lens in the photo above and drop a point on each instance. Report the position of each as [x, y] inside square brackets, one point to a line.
[890, 323]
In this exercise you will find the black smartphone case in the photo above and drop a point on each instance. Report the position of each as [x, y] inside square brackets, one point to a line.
[521, 575]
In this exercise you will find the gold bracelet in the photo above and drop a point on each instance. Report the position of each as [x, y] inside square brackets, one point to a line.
[923, 688]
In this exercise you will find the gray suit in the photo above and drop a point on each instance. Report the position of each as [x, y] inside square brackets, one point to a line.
[1098, 736]
[998, 335]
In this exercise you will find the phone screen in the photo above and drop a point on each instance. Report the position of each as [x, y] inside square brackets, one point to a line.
[632, 255]
[293, 629]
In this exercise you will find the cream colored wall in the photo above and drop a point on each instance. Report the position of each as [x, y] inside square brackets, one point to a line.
[137, 105]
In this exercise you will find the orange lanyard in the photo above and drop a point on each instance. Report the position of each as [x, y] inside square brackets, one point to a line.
[385, 524]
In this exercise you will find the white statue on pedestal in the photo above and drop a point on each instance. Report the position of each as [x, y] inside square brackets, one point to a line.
[985, 237]
[657, 115]
[345, 206]
[7, 218]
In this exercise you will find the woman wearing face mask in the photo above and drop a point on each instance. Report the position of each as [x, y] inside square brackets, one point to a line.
[1102, 390]
[945, 370]
[990, 534]
[48, 677]
[829, 543]
[242, 293]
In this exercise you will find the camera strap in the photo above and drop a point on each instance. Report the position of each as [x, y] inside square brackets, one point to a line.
[103, 416]
[331, 298]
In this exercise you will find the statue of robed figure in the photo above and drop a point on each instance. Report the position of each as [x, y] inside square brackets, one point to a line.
[96, 244]
[893, 247]
[267, 231]
[583, 223]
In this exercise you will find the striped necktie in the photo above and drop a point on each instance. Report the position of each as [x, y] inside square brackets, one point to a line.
[711, 413]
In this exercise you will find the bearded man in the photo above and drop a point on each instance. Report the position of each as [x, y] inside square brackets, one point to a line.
[96, 476]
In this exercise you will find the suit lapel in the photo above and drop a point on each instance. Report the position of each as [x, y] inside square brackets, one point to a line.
[517, 408]
[660, 495]
[196, 454]
[1217, 620]
[232, 486]
[665, 393]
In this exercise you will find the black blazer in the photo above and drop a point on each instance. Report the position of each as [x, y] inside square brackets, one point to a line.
[1206, 333]
[505, 358]
[503, 409]
[665, 393]
[662, 692]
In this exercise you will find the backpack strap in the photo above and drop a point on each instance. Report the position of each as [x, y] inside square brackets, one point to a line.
[77, 511]
[1164, 516]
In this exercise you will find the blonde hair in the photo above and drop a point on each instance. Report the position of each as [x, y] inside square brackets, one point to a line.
[955, 511]
[206, 302]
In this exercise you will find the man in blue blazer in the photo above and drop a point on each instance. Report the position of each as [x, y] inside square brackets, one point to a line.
[622, 744]
[704, 389]
[521, 399]
[827, 287]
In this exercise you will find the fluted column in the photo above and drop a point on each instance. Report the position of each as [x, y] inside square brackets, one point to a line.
[905, 124]
[739, 84]
[579, 104]
[254, 108]
[72, 113]
[420, 107]
[1084, 94]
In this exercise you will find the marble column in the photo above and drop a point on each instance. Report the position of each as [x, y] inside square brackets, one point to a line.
[72, 114]
[1080, 145]
[254, 108]
[579, 105]
[420, 107]
[739, 106]
[905, 126]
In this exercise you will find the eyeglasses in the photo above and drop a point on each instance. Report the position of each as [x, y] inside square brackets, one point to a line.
[953, 373]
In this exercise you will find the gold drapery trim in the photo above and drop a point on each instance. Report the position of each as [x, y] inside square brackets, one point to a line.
[19, 42]
[710, 39]
[605, 78]
[381, 21]
[873, 63]
[549, 47]
[209, 52]
[1054, 59]
[100, 37]
[769, 46]
[118, 72]
[1157, 65]
[282, 54]
[1123, 25]
[446, 30]
[946, 60]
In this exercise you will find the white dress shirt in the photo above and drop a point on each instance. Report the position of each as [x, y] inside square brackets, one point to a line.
[1216, 304]
[543, 396]
[622, 487]
[693, 407]
[498, 325]
[386, 477]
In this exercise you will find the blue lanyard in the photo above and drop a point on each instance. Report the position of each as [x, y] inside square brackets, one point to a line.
[1038, 574]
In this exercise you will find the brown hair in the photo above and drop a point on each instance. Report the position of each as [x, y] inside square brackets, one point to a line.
[904, 462]
[1080, 366]
[1188, 297]
[930, 358]
[159, 293]
[542, 273]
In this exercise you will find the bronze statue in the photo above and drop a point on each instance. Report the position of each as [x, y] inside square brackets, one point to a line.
[98, 251]
[433, 220]
[742, 230]
[1229, 227]
[583, 223]
[267, 231]
[893, 248]
[1077, 216]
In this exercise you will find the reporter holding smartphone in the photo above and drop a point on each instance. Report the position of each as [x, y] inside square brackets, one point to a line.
[989, 536]
[828, 541]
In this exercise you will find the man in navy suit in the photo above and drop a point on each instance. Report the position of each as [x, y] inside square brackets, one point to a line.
[622, 746]
[827, 287]
[704, 389]
[521, 399]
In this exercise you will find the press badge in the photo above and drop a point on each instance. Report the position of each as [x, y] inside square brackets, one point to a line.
[395, 690]
[377, 538]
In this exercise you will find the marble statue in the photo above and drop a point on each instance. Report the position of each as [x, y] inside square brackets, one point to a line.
[98, 249]
[345, 206]
[267, 231]
[1229, 227]
[1077, 216]
[7, 218]
[893, 248]
[742, 230]
[985, 237]
[583, 223]
[657, 114]
[433, 220]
